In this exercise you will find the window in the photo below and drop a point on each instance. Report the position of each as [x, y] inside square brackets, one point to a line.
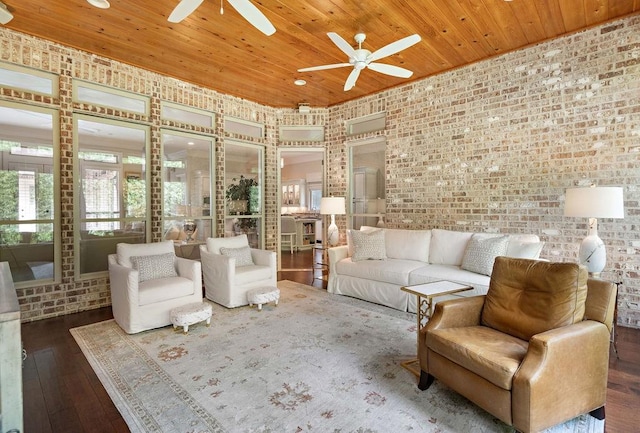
[29, 192]
[31, 80]
[187, 189]
[367, 183]
[187, 115]
[244, 186]
[111, 197]
[96, 94]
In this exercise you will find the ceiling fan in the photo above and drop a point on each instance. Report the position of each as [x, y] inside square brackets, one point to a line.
[360, 58]
[244, 7]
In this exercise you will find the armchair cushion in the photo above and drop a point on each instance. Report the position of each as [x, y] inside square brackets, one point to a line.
[155, 266]
[242, 255]
[214, 244]
[527, 297]
[484, 351]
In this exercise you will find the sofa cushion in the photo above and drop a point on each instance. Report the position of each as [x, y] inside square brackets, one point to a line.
[154, 266]
[481, 252]
[214, 244]
[407, 244]
[242, 255]
[125, 251]
[524, 250]
[447, 247]
[368, 245]
[490, 354]
[527, 297]
[388, 271]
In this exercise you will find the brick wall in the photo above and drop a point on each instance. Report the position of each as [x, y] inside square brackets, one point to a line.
[492, 147]
[489, 147]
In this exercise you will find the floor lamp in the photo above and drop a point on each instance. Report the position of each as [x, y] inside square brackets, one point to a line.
[332, 206]
[594, 203]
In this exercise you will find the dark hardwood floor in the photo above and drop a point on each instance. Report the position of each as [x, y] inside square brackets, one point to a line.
[63, 394]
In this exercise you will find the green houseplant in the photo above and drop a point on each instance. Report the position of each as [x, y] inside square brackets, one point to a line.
[242, 197]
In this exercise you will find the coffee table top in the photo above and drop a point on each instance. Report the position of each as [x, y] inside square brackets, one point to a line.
[436, 288]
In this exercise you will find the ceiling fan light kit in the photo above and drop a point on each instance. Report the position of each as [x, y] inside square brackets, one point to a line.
[5, 15]
[361, 58]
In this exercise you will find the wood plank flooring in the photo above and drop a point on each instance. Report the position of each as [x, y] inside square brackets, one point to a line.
[63, 394]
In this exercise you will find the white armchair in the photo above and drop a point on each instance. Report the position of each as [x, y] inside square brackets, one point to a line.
[231, 268]
[148, 281]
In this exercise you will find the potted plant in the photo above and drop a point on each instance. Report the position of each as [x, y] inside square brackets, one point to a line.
[242, 199]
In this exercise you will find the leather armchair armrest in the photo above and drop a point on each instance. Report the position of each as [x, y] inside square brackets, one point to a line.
[563, 373]
[454, 313]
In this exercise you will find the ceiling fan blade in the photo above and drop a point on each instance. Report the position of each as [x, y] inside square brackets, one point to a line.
[320, 68]
[395, 71]
[183, 10]
[252, 14]
[394, 47]
[342, 44]
[351, 79]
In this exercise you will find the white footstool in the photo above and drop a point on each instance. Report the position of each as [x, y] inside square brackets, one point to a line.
[190, 314]
[263, 295]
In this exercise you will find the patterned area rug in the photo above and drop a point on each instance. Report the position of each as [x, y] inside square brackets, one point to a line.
[315, 363]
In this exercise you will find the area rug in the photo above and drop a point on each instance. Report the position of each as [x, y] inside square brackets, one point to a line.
[315, 363]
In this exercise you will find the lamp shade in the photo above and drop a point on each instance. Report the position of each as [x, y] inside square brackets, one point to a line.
[332, 206]
[594, 202]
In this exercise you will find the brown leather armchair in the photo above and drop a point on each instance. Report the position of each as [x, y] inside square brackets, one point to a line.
[533, 352]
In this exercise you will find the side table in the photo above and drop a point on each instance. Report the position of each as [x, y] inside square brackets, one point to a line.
[322, 264]
[425, 294]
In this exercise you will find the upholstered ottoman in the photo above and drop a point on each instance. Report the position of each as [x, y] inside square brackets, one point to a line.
[190, 314]
[263, 295]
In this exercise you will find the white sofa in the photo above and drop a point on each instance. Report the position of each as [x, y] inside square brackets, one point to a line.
[420, 256]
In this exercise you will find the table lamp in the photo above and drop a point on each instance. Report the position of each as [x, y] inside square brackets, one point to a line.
[332, 206]
[594, 203]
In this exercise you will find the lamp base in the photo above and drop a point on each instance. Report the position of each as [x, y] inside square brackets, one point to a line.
[333, 235]
[593, 254]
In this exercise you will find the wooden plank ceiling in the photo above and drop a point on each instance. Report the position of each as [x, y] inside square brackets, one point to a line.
[226, 53]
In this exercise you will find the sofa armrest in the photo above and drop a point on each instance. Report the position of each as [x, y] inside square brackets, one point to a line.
[219, 271]
[123, 282]
[264, 257]
[454, 313]
[575, 358]
[191, 269]
[336, 254]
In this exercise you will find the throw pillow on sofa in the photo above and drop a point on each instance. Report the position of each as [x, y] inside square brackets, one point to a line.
[482, 251]
[368, 245]
[154, 266]
[242, 255]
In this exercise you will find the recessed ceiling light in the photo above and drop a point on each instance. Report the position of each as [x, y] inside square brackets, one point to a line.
[190, 143]
[102, 4]
[299, 82]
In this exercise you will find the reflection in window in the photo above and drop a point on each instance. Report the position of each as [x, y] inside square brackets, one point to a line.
[27, 192]
[367, 184]
[243, 192]
[187, 201]
[113, 188]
